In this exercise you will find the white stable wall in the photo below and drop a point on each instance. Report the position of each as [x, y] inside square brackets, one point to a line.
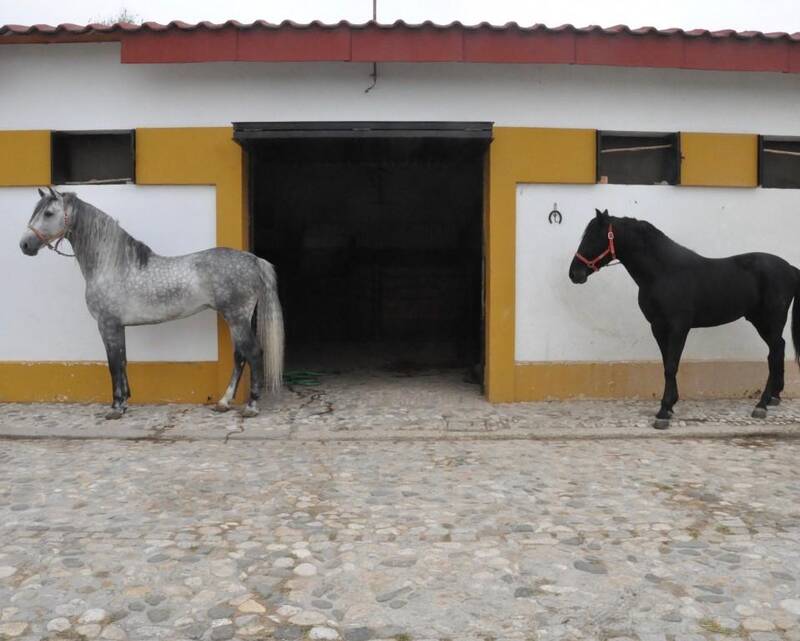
[84, 86]
[44, 317]
[600, 320]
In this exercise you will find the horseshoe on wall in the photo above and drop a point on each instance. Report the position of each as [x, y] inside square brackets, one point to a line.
[555, 216]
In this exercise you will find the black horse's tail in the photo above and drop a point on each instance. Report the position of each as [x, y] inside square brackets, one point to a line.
[796, 319]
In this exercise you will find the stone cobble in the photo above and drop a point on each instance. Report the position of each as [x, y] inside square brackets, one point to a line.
[176, 523]
[436, 540]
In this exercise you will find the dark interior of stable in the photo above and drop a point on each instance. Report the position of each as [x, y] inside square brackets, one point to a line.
[378, 249]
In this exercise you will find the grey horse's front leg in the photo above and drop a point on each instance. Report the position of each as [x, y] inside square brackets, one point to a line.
[113, 334]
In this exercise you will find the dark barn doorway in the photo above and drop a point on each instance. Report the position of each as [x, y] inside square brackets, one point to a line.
[376, 232]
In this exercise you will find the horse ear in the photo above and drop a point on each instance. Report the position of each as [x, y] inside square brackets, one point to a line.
[41, 192]
[599, 214]
[55, 193]
[605, 212]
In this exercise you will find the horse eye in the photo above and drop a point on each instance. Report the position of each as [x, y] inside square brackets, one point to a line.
[48, 214]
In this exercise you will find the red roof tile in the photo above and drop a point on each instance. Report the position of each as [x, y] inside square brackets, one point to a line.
[619, 45]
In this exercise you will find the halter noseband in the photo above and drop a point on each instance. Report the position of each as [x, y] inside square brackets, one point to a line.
[58, 237]
[609, 250]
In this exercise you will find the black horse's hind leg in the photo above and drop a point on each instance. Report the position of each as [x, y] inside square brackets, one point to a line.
[113, 335]
[777, 364]
[771, 333]
[670, 341]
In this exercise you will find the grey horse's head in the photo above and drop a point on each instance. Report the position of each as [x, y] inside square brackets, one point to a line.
[49, 222]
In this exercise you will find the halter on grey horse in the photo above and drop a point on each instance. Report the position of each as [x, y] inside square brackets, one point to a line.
[128, 284]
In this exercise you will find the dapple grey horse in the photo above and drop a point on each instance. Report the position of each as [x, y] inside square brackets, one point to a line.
[128, 284]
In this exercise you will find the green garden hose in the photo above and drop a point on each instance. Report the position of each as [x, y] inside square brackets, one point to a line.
[302, 377]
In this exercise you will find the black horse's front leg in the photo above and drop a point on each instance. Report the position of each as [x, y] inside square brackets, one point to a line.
[774, 386]
[113, 334]
[671, 341]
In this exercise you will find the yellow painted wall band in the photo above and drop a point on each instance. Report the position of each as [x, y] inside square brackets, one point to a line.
[90, 382]
[202, 156]
[719, 160]
[24, 158]
[520, 155]
[696, 379]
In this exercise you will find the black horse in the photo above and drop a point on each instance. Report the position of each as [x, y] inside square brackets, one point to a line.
[679, 290]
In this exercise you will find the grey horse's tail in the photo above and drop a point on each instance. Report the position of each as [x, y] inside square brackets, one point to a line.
[270, 327]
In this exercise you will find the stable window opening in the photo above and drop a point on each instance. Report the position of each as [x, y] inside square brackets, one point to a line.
[638, 158]
[93, 157]
[779, 162]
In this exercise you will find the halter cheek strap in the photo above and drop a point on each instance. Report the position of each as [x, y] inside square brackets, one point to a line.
[58, 237]
[593, 264]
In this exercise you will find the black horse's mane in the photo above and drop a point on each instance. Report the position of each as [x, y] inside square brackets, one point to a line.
[648, 233]
[644, 227]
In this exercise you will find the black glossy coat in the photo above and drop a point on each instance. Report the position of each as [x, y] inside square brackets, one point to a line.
[679, 290]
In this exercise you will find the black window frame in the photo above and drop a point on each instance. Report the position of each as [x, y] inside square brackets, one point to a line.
[659, 138]
[764, 154]
[65, 175]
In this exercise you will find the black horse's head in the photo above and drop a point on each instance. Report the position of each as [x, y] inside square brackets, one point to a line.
[596, 249]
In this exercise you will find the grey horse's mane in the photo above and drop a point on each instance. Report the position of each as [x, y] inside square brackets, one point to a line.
[96, 235]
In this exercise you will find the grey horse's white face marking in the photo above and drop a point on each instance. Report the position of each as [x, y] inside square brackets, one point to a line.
[48, 222]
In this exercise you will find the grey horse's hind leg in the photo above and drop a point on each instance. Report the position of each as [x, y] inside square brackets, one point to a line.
[255, 357]
[224, 404]
[246, 344]
[113, 335]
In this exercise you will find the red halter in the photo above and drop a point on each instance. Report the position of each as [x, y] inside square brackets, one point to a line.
[609, 250]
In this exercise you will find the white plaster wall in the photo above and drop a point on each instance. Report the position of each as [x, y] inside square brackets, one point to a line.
[600, 320]
[84, 86]
[43, 316]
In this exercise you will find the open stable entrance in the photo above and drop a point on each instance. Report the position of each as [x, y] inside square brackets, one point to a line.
[376, 232]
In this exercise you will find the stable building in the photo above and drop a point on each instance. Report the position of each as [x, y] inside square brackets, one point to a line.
[421, 190]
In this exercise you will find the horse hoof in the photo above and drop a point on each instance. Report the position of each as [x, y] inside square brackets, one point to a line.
[775, 400]
[221, 408]
[760, 412]
[114, 414]
[661, 423]
[249, 412]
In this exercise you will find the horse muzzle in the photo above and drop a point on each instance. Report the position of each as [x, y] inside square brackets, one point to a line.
[30, 246]
[578, 274]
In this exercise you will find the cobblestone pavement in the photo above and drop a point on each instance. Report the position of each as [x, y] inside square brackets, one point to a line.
[378, 406]
[381, 512]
